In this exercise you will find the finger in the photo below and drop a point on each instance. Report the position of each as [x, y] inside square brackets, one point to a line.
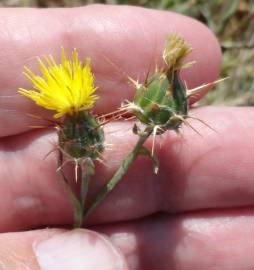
[59, 249]
[197, 241]
[181, 242]
[132, 38]
[213, 171]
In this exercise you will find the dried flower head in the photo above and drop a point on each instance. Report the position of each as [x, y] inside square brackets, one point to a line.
[176, 48]
[66, 88]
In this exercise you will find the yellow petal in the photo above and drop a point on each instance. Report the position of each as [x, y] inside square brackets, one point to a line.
[66, 88]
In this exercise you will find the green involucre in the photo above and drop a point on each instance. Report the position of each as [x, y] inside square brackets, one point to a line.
[81, 136]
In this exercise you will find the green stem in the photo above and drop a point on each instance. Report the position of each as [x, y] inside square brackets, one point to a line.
[87, 170]
[83, 189]
[130, 158]
[77, 208]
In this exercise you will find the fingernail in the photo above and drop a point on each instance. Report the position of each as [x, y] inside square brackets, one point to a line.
[79, 250]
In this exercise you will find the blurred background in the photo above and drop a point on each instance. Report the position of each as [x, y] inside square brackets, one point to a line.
[231, 20]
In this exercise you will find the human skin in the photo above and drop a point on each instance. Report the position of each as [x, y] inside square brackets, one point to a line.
[195, 214]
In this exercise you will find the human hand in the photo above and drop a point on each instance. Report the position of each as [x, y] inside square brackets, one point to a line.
[195, 214]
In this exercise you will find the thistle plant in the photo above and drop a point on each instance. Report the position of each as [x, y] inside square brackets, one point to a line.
[160, 104]
[68, 89]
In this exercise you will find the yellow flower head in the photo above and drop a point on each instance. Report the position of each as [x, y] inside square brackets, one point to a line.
[66, 88]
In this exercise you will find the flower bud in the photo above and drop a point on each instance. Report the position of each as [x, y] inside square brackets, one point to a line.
[162, 101]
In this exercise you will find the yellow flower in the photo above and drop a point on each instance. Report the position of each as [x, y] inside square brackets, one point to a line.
[66, 88]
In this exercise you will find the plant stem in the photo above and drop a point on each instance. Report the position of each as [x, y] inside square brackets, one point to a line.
[126, 163]
[78, 210]
[87, 170]
[83, 189]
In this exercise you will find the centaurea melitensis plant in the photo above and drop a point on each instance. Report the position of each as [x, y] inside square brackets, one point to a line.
[68, 89]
